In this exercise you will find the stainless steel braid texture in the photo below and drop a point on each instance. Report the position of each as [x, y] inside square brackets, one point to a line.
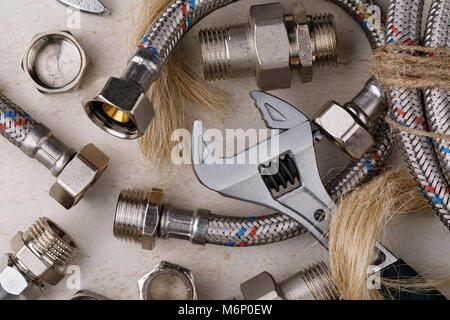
[15, 124]
[437, 102]
[164, 34]
[404, 26]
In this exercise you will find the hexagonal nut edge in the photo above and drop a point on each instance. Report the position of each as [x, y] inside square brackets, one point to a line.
[271, 46]
[299, 13]
[12, 282]
[79, 176]
[340, 126]
[126, 96]
[33, 265]
[261, 287]
[305, 51]
[151, 222]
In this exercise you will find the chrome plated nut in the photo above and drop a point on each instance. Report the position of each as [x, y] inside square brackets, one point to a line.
[55, 62]
[261, 287]
[152, 218]
[166, 268]
[79, 175]
[121, 109]
[11, 280]
[271, 46]
[34, 266]
[305, 51]
[339, 125]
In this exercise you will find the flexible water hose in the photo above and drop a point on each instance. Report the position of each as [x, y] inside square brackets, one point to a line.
[404, 26]
[437, 101]
[161, 38]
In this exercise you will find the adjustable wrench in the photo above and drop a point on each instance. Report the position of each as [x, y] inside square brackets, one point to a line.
[89, 6]
[286, 180]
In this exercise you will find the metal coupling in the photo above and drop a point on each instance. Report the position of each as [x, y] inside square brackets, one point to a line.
[40, 255]
[349, 125]
[161, 283]
[313, 283]
[270, 46]
[143, 218]
[76, 172]
[120, 106]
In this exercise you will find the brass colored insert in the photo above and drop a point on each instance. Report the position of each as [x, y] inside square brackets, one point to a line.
[115, 113]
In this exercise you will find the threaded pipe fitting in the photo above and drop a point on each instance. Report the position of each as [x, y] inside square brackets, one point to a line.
[300, 42]
[313, 283]
[324, 39]
[51, 243]
[137, 217]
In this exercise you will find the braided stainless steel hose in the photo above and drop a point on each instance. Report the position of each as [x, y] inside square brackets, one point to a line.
[437, 101]
[404, 26]
[76, 172]
[160, 40]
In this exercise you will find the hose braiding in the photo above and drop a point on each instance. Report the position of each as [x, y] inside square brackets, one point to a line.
[15, 124]
[404, 26]
[164, 34]
[437, 101]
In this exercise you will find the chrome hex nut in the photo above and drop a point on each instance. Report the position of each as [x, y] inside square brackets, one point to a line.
[35, 267]
[261, 287]
[120, 107]
[55, 62]
[12, 281]
[79, 175]
[271, 42]
[340, 126]
[166, 268]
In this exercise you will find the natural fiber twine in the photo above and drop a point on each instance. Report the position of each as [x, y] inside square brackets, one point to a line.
[405, 66]
[359, 221]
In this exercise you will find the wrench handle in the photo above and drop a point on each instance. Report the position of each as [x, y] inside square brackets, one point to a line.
[400, 270]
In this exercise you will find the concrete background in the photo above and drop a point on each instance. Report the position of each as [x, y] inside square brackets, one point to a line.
[112, 268]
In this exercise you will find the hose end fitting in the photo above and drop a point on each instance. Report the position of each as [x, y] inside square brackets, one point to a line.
[137, 217]
[141, 217]
[120, 106]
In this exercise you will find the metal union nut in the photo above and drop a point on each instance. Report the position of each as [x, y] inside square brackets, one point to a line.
[339, 125]
[79, 175]
[261, 287]
[166, 268]
[271, 46]
[124, 97]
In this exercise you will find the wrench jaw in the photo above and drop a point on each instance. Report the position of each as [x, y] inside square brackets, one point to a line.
[277, 113]
[89, 6]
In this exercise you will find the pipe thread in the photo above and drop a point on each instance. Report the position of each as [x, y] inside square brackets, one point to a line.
[52, 242]
[320, 283]
[322, 29]
[131, 212]
[216, 59]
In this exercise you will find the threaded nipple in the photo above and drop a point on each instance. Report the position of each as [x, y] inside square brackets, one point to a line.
[51, 242]
[319, 282]
[216, 60]
[137, 216]
[324, 39]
